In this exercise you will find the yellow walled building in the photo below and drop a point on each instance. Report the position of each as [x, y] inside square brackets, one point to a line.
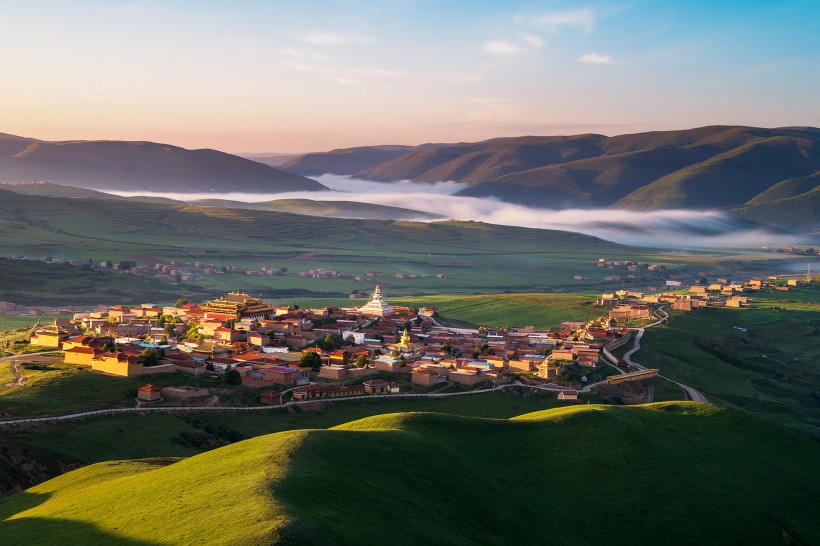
[117, 364]
[49, 338]
[83, 356]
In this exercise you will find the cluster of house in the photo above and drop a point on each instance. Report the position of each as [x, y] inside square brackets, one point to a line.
[369, 276]
[266, 343]
[10, 308]
[628, 305]
[628, 265]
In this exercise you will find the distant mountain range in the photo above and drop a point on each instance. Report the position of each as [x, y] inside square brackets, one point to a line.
[708, 167]
[768, 176]
[140, 166]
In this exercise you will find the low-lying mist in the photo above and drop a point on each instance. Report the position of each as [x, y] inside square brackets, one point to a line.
[708, 229]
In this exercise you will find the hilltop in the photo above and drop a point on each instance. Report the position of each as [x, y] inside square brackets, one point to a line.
[309, 207]
[329, 209]
[590, 474]
[140, 166]
[707, 167]
[343, 161]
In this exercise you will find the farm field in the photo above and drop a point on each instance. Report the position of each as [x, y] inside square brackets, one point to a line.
[765, 476]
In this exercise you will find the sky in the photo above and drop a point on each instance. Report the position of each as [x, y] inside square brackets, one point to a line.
[283, 76]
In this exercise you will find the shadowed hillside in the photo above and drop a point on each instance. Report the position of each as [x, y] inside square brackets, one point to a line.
[707, 167]
[343, 161]
[139, 166]
[439, 479]
[801, 212]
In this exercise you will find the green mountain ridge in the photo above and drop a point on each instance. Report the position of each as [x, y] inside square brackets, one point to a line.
[676, 473]
[140, 166]
[798, 213]
[344, 161]
[706, 167]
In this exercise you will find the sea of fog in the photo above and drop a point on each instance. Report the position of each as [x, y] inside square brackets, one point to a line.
[666, 228]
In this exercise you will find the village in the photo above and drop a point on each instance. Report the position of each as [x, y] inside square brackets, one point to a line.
[287, 353]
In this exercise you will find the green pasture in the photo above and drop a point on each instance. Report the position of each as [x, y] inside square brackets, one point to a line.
[707, 350]
[667, 472]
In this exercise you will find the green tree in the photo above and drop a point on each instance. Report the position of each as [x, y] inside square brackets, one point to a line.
[180, 302]
[447, 348]
[148, 357]
[361, 361]
[310, 360]
[350, 339]
[232, 377]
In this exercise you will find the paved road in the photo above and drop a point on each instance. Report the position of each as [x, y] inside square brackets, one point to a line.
[691, 392]
[171, 409]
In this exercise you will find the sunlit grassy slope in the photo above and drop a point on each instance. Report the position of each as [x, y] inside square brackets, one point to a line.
[672, 473]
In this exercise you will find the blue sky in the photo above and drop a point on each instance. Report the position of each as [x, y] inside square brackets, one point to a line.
[288, 76]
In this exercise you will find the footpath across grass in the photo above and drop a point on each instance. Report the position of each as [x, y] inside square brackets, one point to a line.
[148, 435]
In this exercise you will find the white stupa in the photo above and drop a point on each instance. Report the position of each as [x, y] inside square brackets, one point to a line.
[376, 307]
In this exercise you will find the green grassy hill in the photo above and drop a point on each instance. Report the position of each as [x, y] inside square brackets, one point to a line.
[800, 212]
[344, 161]
[705, 167]
[329, 209]
[134, 166]
[788, 188]
[772, 369]
[482, 161]
[675, 473]
[732, 177]
[474, 257]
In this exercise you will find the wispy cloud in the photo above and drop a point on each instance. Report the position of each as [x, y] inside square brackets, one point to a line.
[580, 18]
[347, 81]
[386, 72]
[523, 44]
[307, 67]
[596, 58]
[302, 54]
[700, 229]
[335, 38]
[465, 77]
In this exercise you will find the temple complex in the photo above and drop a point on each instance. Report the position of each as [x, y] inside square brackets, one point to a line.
[376, 307]
[239, 306]
[403, 347]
